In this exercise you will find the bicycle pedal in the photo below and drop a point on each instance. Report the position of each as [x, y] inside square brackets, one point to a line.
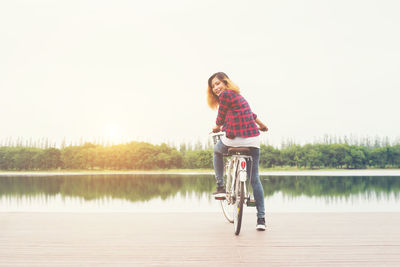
[251, 203]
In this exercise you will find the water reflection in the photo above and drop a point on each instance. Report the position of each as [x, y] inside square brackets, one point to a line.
[332, 186]
[89, 187]
[183, 192]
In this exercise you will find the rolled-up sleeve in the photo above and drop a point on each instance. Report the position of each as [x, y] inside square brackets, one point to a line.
[254, 116]
[224, 100]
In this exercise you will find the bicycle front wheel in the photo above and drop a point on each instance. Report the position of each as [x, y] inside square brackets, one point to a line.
[227, 209]
[238, 209]
[227, 203]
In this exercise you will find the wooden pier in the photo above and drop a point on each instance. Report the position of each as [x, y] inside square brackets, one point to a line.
[198, 239]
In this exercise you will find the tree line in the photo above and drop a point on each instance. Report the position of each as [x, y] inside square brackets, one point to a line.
[146, 156]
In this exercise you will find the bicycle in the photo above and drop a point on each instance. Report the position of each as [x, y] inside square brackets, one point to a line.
[236, 195]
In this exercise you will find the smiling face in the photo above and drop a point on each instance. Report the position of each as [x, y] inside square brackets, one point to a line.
[218, 86]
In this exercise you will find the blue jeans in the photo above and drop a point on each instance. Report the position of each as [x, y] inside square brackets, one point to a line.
[219, 150]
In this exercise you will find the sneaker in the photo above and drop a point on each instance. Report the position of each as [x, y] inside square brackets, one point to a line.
[220, 190]
[261, 224]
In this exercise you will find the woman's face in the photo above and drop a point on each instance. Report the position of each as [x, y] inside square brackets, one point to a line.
[218, 86]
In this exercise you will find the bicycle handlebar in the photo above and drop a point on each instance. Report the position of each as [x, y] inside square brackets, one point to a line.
[216, 136]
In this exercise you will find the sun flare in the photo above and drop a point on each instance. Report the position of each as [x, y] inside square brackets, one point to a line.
[113, 133]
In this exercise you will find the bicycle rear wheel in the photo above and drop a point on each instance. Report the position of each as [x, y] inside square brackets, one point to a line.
[238, 209]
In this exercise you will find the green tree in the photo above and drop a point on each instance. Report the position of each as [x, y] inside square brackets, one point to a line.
[269, 156]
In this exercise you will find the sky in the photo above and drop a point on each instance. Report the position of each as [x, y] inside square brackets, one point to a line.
[138, 70]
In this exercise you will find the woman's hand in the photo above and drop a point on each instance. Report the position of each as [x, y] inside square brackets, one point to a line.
[216, 129]
[261, 126]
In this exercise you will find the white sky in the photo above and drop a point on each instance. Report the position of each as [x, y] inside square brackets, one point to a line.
[138, 70]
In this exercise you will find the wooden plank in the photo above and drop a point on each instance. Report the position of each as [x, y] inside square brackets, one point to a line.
[198, 239]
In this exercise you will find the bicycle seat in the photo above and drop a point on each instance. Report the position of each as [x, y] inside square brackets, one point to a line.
[239, 151]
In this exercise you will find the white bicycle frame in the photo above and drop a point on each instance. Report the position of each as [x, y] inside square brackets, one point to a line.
[235, 165]
[236, 195]
[236, 168]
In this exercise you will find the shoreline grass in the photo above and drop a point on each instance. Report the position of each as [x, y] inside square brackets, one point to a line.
[183, 171]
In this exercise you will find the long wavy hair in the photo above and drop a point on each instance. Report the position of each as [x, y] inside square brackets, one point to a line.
[213, 99]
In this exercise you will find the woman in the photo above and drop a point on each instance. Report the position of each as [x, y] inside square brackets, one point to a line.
[239, 123]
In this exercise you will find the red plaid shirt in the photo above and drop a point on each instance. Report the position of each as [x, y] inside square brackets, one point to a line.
[235, 115]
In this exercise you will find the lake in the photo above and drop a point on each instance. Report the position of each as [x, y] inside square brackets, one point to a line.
[192, 193]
